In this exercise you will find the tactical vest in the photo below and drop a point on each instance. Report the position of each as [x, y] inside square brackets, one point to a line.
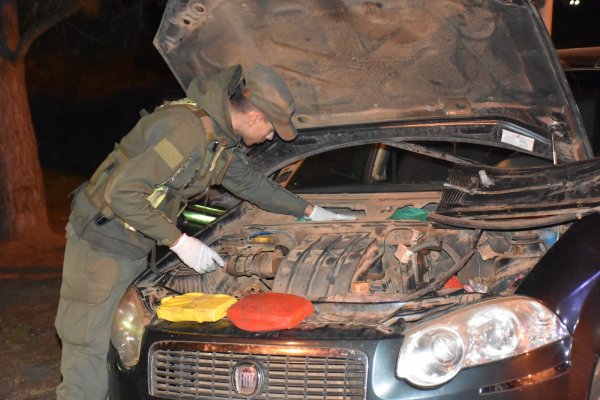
[214, 161]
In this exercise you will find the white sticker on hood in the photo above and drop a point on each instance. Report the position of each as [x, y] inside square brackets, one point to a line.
[517, 140]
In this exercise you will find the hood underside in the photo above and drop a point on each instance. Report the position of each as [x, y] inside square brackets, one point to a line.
[350, 62]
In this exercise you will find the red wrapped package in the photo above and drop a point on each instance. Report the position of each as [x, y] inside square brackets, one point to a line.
[269, 312]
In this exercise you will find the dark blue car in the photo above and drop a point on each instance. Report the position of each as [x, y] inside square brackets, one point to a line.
[472, 269]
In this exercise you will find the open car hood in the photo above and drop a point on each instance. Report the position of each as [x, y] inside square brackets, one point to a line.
[356, 62]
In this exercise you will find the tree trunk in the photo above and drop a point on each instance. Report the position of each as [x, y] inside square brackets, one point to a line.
[22, 198]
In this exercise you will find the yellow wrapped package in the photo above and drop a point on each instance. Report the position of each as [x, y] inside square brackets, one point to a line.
[199, 307]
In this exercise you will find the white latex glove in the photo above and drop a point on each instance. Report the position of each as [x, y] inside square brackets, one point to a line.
[321, 214]
[196, 254]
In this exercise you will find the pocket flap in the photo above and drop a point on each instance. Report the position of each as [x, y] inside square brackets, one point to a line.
[84, 290]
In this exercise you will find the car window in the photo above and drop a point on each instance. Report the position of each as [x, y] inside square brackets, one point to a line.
[383, 168]
[403, 167]
[341, 167]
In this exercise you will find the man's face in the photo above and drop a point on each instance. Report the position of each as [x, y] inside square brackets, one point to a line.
[259, 129]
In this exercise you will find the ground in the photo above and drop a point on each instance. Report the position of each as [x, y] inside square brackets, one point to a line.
[30, 353]
[42, 252]
[29, 289]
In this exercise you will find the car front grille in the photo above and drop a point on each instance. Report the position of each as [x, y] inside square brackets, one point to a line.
[206, 371]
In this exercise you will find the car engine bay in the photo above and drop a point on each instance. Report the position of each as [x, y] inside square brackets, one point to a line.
[387, 264]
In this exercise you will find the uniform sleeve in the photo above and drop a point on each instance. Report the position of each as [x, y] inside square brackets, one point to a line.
[249, 184]
[171, 143]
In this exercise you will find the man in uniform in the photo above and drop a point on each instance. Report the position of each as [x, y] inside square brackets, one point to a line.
[132, 201]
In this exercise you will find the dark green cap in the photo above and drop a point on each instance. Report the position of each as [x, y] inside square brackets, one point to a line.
[267, 90]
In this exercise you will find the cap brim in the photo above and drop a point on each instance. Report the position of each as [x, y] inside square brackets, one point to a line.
[285, 129]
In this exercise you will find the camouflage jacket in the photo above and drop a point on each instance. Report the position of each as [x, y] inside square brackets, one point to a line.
[173, 154]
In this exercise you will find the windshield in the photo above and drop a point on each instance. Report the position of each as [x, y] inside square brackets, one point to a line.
[378, 167]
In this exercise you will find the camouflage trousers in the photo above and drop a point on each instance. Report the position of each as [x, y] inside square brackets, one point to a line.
[93, 282]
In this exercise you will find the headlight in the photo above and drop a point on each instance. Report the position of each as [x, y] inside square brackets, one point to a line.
[435, 351]
[128, 325]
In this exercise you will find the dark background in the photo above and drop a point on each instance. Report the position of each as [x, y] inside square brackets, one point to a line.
[89, 77]
[576, 26]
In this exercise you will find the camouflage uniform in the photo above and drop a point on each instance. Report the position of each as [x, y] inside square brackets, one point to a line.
[131, 202]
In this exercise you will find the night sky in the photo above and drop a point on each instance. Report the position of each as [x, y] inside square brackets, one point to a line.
[576, 26]
[89, 77]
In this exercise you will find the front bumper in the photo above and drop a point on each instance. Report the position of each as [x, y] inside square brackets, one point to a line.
[303, 365]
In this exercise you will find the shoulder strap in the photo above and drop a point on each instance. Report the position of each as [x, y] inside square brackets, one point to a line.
[212, 165]
[207, 123]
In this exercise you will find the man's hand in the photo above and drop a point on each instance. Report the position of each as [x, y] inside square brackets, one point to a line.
[321, 214]
[196, 254]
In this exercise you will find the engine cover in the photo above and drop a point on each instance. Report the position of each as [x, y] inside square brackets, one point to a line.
[324, 265]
